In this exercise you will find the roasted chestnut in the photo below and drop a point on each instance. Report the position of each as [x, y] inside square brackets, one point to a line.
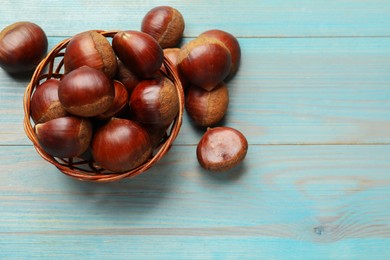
[45, 104]
[155, 101]
[91, 49]
[139, 51]
[86, 92]
[165, 24]
[22, 46]
[64, 137]
[221, 148]
[121, 145]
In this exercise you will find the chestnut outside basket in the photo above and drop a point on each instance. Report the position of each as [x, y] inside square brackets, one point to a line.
[52, 67]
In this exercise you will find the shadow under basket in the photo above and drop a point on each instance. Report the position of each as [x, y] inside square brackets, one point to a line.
[52, 67]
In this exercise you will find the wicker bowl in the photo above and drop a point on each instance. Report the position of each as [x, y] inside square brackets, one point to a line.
[52, 67]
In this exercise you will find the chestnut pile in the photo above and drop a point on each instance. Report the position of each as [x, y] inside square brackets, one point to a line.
[114, 103]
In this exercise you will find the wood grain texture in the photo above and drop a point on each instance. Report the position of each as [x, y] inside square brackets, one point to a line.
[251, 18]
[320, 198]
[313, 98]
[287, 91]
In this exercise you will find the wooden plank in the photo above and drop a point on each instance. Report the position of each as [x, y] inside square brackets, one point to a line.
[287, 91]
[307, 201]
[251, 18]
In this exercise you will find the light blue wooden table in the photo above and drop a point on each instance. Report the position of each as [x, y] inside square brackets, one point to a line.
[313, 98]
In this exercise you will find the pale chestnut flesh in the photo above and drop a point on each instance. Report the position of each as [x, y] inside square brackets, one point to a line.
[221, 148]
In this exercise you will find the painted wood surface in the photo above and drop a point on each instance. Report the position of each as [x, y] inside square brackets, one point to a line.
[312, 96]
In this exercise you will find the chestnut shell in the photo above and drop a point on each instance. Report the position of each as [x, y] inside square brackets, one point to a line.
[22, 46]
[65, 137]
[165, 24]
[45, 104]
[221, 148]
[121, 145]
[204, 62]
[86, 92]
[155, 101]
[139, 51]
[90, 49]
[207, 108]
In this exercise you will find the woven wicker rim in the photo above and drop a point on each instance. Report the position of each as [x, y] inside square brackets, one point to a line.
[86, 170]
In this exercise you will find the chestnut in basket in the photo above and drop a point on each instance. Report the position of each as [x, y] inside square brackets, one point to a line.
[207, 108]
[64, 137]
[221, 148]
[45, 104]
[127, 77]
[22, 46]
[91, 49]
[204, 62]
[86, 92]
[121, 100]
[139, 51]
[155, 101]
[121, 145]
[165, 24]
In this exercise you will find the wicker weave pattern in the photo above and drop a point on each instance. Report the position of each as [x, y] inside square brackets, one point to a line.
[52, 67]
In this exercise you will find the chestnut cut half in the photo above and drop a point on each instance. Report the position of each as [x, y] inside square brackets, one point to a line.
[22, 46]
[121, 145]
[221, 148]
[165, 24]
[86, 92]
[64, 137]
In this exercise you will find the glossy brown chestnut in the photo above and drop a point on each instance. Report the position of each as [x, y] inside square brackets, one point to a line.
[231, 44]
[221, 148]
[64, 137]
[156, 133]
[22, 46]
[207, 108]
[45, 104]
[127, 77]
[139, 51]
[121, 145]
[173, 55]
[86, 92]
[121, 100]
[204, 62]
[155, 101]
[165, 24]
[92, 49]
